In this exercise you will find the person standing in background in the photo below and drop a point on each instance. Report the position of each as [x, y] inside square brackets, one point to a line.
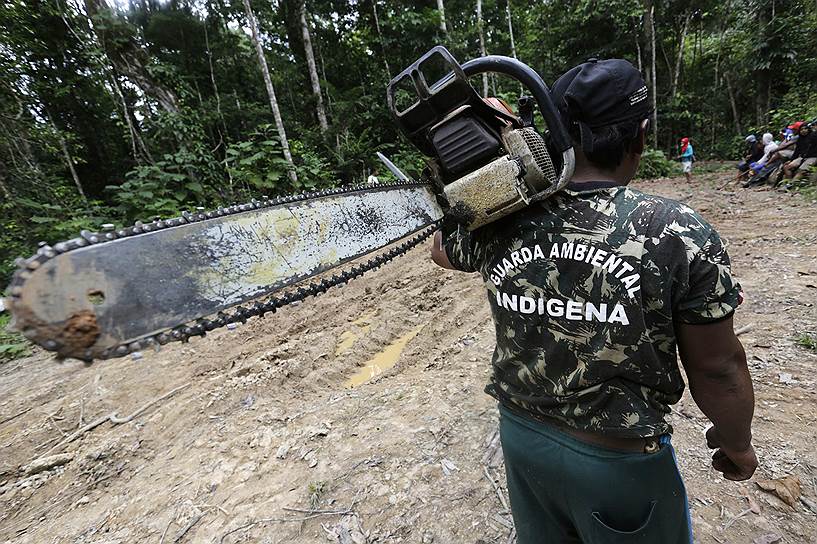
[373, 178]
[687, 156]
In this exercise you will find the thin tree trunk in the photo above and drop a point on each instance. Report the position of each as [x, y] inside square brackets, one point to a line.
[273, 102]
[482, 50]
[679, 59]
[212, 74]
[3, 186]
[441, 9]
[638, 48]
[649, 9]
[380, 35]
[733, 103]
[720, 44]
[222, 131]
[69, 162]
[18, 142]
[313, 71]
[762, 77]
[136, 137]
[510, 28]
[768, 101]
[323, 75]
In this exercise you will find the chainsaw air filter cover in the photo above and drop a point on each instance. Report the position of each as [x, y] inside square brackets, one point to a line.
[464, 142]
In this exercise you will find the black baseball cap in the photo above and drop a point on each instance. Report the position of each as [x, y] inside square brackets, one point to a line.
[600, 93]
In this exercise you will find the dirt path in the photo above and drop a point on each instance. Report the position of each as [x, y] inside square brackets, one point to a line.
[266, 444]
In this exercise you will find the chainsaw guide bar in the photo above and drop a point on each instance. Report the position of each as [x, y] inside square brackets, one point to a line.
[111, 293]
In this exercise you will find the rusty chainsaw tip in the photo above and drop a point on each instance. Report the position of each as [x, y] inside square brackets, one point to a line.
[69, 338]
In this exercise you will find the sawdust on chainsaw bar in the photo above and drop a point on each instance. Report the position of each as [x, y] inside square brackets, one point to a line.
[267, 445]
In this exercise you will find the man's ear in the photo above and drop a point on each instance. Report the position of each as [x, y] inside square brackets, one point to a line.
[641, 141]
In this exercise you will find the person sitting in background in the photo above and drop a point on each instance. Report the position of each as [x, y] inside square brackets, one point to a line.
[790, 134]
[687, 156]
[805, 154]
[769, 147]
[784, 152]
[754, 152]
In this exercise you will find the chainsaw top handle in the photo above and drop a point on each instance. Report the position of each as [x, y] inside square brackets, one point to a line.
[532, 81]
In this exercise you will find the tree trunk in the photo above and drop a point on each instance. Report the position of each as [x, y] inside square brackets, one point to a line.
[323, 75]
[380, 35]
[212, 73]
[510, 28]
[649, 10]
[222, 131]
[441, 9]
[679, 59]
[313, 71]
[136, 137]
[762, 77]
[273, 102]
[720, 44]
[3, 185]
[482, 50]
[638, 48]
[69, 162]
[733, 103]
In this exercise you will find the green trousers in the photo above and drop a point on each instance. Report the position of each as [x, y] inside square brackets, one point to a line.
[564, 490]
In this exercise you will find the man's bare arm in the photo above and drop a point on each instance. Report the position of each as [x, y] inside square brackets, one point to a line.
[438, 254]
[720, 384]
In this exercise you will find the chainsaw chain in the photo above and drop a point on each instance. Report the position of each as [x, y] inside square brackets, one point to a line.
[240, 314]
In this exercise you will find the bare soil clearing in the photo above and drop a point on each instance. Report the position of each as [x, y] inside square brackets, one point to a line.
[263, 441]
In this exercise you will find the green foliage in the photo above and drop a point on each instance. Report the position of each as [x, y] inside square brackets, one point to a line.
[12, 345]
[806, 340]
[654, 164]
[189, 176]
[799, 104]
[258, 161]
[153, 190]
[26, 219]
[313, 170]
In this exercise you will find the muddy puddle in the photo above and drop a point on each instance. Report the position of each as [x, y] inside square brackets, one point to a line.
[360, 327]
[383, 361]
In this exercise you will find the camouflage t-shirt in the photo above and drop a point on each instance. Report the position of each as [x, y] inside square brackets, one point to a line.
[584, 290]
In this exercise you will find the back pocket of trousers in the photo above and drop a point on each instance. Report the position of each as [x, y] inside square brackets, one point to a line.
[606, 531]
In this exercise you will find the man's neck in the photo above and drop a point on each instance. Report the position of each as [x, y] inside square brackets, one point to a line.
[589, 173]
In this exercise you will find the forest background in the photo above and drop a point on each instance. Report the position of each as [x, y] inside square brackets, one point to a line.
[111, 113]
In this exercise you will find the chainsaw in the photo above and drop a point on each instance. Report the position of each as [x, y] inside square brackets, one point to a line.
[115, 292]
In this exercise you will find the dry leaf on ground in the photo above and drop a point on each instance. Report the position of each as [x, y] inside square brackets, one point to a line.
[787, 488]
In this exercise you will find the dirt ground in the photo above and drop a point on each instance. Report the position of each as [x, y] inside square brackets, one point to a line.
[262, 440]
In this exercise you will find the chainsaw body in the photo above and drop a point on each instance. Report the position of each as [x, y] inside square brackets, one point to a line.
[483, 159]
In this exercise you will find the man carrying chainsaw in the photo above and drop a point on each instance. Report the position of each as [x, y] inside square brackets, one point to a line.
[593, 291]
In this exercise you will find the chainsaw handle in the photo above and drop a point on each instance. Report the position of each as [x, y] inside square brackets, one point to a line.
[534, 83]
